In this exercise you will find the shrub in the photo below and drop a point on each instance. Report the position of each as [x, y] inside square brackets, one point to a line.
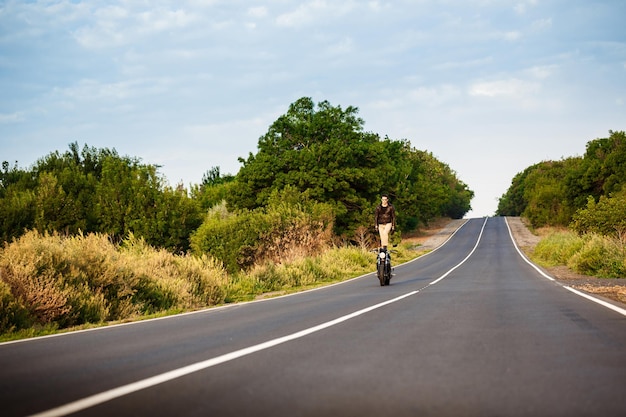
[599, 256]
[557, 247]
[606, 217]
[331, 265]
[13, 314]
[276, 233]
[65, 281]
[589, 254]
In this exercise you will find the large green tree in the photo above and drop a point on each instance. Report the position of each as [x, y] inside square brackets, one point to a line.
[323, 151]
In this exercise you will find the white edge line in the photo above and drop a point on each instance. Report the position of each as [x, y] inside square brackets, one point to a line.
[111, 394]
[584, 295]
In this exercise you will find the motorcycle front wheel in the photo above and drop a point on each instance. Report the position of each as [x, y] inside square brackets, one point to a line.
[387, 274]
[381, 273]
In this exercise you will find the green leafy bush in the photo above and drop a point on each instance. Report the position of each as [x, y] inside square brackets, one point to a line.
[284, 230]
[606, 217]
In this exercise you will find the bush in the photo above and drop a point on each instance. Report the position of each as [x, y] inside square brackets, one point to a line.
[599, 256]
[65, 281]
[558, 247]
[589, 254]
[279, 232]
[332, 265]
[606, 217]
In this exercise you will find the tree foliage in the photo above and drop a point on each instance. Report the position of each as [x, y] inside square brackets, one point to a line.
[324, 152]
[95, 190]
[557, 192]
[319, 153]
[606, 217]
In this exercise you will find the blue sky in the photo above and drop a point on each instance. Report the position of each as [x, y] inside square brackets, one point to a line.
[490, 87]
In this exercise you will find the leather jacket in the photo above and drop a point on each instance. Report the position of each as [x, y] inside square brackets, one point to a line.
[385, 215]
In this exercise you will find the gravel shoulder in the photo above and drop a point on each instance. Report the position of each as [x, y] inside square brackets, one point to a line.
[613, 290]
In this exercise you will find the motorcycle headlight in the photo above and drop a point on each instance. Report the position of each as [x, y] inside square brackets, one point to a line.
[382, 255]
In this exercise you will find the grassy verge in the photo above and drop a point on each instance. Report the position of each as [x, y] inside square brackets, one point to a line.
[53, 283]
[589, 254]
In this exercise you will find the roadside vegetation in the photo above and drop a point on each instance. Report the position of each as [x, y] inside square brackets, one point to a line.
[582, 200]
[589, 254]
[90, 237]
[53, 282]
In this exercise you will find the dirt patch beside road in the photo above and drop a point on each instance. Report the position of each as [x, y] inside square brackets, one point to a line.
[435, 234]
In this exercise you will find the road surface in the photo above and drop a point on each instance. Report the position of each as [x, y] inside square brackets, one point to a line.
[471, 329]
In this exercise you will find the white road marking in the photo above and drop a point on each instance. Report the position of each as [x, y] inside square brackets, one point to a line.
[102, 397]
[111, 394]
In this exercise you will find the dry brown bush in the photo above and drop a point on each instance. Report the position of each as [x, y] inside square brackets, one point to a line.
[85, 279]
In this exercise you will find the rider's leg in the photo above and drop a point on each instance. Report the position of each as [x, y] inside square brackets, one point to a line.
[383, 230]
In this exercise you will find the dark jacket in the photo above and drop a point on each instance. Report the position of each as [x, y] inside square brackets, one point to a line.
[385, 215]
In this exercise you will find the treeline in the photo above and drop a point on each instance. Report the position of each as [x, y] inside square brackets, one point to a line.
[95, 191]
[321, 153]
[586, 193]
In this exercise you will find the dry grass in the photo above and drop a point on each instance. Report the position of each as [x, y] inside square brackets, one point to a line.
[62, 281]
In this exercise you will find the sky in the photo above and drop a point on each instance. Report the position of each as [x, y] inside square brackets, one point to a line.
[489, 87]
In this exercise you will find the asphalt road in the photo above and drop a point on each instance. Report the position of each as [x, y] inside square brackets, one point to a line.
[470, 329]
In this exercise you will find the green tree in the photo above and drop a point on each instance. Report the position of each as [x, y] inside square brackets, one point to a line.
[601, 172]
[514, 202]
[606, 217]
[214, 189]
[550, 192]
[324, 152]
[17, 201]
[96, 190]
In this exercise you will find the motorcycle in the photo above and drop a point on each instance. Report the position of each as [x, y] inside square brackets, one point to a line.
[383, 266]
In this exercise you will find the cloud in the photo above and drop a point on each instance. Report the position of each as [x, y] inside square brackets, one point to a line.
[112, 26]
[417, 98]
[478, 62]
[91, 90]
[341, 47]
[542, 72]
[523, 6]
[511, 35]
[542, 24]
[510, 88]
[258, 12]
[16, 117]
[313, 12]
